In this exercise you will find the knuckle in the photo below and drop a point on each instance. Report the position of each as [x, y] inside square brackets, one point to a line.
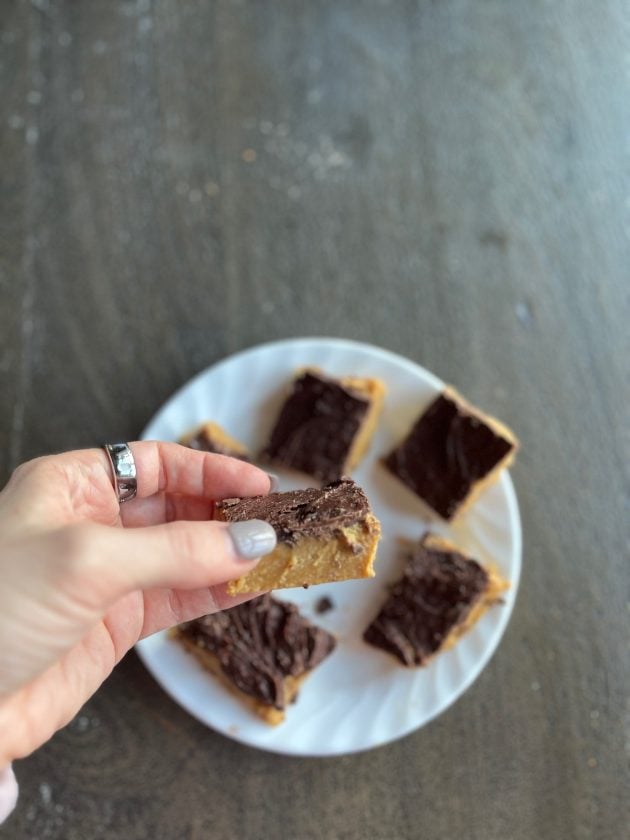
[75, 548]
[83, 569]
[28, 468]
[37, 471]
[187, 543]
[182, 539]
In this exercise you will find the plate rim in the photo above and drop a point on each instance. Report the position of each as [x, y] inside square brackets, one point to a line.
[515, 559]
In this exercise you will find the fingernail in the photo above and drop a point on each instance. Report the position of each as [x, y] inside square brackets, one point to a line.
[252, 538]
[274, 482]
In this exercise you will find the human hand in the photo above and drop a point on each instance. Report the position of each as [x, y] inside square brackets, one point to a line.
[83, 578]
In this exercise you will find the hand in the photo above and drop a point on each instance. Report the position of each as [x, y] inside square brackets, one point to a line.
[83, 578]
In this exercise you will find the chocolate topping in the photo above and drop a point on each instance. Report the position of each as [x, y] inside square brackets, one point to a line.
[446, 452]
[311, 512]
[324, 605]
[436, 593]
[260, 643]
[317, 427]
[205, 442]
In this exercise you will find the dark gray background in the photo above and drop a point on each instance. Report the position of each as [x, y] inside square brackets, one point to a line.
[446, 179]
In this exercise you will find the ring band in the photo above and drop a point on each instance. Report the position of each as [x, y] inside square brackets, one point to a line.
[123, 470]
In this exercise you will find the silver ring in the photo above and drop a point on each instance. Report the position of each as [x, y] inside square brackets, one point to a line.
[123, 470]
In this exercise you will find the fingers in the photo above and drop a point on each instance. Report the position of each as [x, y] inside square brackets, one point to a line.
[57, 490]
[165, 507]
[166, 607]
[172, 468]
[100, 564]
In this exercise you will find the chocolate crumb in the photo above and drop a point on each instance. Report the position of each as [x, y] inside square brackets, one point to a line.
[324, 605]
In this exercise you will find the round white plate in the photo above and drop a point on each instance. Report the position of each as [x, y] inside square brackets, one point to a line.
[359, 697]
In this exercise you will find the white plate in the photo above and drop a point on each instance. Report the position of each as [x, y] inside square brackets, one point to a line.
[359, 697]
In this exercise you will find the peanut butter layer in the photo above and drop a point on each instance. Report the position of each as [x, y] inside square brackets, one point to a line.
[325, 425]
[451, 454]
[261, 650]
[440, 596]
[323, 535]
[210, 437]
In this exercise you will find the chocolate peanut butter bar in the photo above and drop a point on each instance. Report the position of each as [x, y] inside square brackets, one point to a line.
[323, 535]
[261, 651]
[440, 596]
[452, 453]
[326, 424]
[210, 437]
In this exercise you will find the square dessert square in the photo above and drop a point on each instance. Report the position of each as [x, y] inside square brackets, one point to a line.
[452, 453]
[325, 425]
[440, 596]
[210, 437]
[262, 651]
[323, 535]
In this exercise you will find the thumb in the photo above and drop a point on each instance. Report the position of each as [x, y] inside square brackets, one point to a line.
[104, 563]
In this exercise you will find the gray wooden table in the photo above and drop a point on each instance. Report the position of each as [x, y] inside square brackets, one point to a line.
[449, 180]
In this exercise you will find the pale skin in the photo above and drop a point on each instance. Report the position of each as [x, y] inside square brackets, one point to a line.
[82, 578]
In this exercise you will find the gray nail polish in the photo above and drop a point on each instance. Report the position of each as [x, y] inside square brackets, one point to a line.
[252, 538]
[274, 482]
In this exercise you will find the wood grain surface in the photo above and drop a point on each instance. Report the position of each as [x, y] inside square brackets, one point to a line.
[449, 180]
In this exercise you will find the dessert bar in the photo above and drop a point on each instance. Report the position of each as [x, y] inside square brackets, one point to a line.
[325, 425]
[441, 595]
[210, 437]
[451, 454]
[262, 651]
[323, 535]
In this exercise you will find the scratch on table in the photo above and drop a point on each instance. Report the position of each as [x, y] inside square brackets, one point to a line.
[165, 723]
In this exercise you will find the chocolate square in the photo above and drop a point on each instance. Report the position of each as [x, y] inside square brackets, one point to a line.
[447, 452]
[317, 427]
[205, 441]
[436, 593]
[260, 643]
